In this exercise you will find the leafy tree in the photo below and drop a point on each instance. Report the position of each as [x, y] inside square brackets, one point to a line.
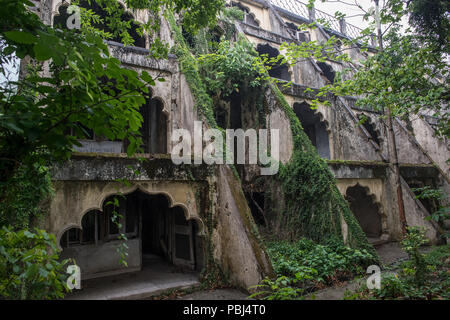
[406, 76]
[72, 83]
[431, 19]
[30, 266]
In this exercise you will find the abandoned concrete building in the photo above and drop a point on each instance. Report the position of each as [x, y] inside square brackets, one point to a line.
[165, 207]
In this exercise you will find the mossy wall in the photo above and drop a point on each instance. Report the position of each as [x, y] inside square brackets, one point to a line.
[313, 206]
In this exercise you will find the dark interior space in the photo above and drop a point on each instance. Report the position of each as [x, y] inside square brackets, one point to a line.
[278, 70]
[155, 225]
[256, 203]
[60, 21]
[371, 128]
[154, 127]
[164, 231]
[328, 71]
[365, 210]
[315, 129]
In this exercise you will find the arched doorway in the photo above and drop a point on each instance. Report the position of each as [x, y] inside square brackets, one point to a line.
[157, 235]
[277, 69]
[154, 127]
[328, 71]
[315, 129]
[366, 211]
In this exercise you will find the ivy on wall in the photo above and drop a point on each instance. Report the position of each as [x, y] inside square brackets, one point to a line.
[314, 207]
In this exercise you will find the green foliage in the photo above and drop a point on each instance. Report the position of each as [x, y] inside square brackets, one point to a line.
[305, 266]
[72, 85]
[38, 112]
[314, 205]
[430, 18]
[407, 77]
[232, 66]
[29, 266]
[414, 238]
[24, 196]
[189, 68]
[332, 261]
[282, 288]
[443, 212]
[232, 13]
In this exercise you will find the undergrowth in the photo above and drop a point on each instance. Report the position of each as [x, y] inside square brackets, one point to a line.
[314, 207]
[422, 277]
[305, 266]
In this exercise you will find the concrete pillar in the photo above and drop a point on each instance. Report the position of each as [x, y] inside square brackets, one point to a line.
[343, 26]
[312, 14]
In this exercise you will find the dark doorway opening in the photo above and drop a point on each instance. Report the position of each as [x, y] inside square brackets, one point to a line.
[278, 69]
[154, 127]
[328, 71]
[256, 203]
[365, 210]
[315, 129]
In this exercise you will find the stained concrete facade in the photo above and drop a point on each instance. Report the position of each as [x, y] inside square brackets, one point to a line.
[211, 196]
[358, 154]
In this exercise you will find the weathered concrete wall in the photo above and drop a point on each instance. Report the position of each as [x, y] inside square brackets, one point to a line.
[437, 148]
[278, 120]
[81, 185]
[374, 188]
[416, 214]
[104, 260]
[235, 238]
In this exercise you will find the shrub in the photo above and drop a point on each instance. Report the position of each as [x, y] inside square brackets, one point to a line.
[29, 266]
[332, 261]
[414, 238]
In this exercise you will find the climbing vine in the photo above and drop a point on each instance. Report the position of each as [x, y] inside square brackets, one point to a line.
[313, 206]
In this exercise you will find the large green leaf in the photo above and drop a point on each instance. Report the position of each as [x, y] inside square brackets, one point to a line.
[21, 37]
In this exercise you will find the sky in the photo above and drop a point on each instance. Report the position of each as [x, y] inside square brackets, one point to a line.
[331, 6]
[350, 10]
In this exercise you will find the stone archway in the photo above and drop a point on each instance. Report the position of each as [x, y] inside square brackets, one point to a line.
[73, 199]
[277, 69]
[155, 232]
[315, 127]
[366, 210]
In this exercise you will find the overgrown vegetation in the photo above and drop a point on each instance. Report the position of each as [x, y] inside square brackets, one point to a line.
[438, 196]
[305, 266]
[30, 266]
[315, 207]
[423, 276]
[69, 85]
